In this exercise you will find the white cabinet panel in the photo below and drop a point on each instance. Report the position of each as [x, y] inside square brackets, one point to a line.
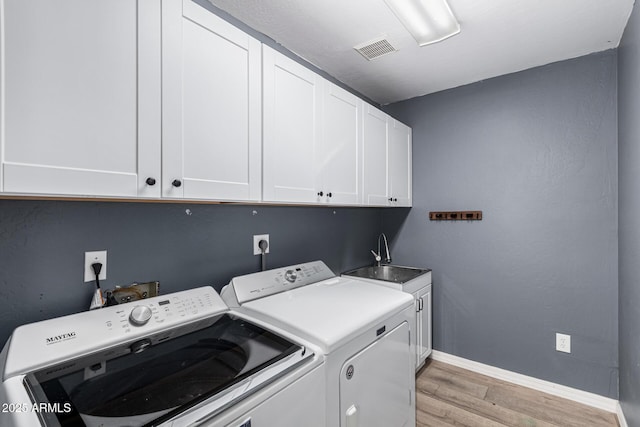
[211, 106]
[339, 158]
[312, 136]
[399, 163]
[423, 325]
[77, 75]
[386, 160]
[291, 111]
[375, 183]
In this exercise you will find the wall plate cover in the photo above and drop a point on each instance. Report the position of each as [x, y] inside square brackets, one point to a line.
[563, 343]
[90, 258]
[256, 242]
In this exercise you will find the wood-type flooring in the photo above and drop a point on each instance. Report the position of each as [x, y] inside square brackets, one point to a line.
[450, 396]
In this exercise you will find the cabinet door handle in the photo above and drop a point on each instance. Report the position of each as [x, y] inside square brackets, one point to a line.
[421, 304]
[151, 181]
[176, 183]
[320, 193]
[391, 199]
[329, 194]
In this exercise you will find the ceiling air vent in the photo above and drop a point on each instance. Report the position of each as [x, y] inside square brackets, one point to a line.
[375, 48]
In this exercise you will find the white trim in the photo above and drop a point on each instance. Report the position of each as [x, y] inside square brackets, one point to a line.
[586, 398]
[621, 419]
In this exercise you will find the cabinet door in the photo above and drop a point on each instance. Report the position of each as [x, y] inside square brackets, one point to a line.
[424, 341]
[80, 97]
[399, 163]
[211, 124]
[374, 147]
[291, 114]
[339, 159]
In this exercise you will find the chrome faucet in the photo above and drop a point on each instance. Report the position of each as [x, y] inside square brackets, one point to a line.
[378, 255]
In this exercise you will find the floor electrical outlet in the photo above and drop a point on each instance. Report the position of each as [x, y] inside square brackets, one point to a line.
[563, 343]
[256, 243]
[93, 257]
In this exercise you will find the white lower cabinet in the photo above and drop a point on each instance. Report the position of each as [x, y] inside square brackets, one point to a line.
[423, 324]
[80, 97]
[211, 103]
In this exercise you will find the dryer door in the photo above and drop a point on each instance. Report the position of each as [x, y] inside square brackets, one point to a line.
[377, 384]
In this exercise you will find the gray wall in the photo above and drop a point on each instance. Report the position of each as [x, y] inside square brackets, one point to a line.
[629, 217]
[536, 152]
[42, 245]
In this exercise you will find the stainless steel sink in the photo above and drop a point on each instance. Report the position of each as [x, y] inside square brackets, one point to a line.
[387, 273]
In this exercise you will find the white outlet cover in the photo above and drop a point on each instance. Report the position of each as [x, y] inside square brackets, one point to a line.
[90, 258]
[563, 343]
[256, 242]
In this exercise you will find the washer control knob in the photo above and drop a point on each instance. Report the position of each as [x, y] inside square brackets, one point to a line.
[290, 276]
[140, 315]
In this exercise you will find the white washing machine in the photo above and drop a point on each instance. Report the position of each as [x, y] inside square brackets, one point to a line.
[363, 331]
[183, 359]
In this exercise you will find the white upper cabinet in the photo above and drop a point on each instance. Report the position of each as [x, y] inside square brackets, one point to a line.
[312, 138]
[291, 132]
[386, 160]
[374, 129]
[211, 86]
[164, 99]
[399, 151]
[80, 97]
[339, 158]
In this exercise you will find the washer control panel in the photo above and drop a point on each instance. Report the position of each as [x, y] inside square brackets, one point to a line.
[63, 338]
[264, 283]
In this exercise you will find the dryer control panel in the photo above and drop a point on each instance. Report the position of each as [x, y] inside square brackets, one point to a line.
[258, 285]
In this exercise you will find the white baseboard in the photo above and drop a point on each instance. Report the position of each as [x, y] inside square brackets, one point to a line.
[586, 398]
[621, 419]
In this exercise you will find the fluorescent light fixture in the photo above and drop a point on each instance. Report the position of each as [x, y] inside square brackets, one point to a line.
[428, 21]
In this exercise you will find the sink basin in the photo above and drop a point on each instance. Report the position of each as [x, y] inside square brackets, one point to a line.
[387, 273]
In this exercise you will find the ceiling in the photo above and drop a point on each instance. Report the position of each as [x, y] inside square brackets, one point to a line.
[497, 37]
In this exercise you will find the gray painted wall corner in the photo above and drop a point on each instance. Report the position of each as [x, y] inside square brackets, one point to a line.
[629, 218]
[536, 151]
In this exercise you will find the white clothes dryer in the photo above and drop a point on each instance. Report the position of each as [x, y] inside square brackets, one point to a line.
[363, 331]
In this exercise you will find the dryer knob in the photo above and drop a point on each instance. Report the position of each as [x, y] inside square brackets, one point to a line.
[140, 315]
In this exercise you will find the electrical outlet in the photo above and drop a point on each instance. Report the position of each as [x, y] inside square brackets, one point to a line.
[93, 257]
[256, 243]
[563, 343]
